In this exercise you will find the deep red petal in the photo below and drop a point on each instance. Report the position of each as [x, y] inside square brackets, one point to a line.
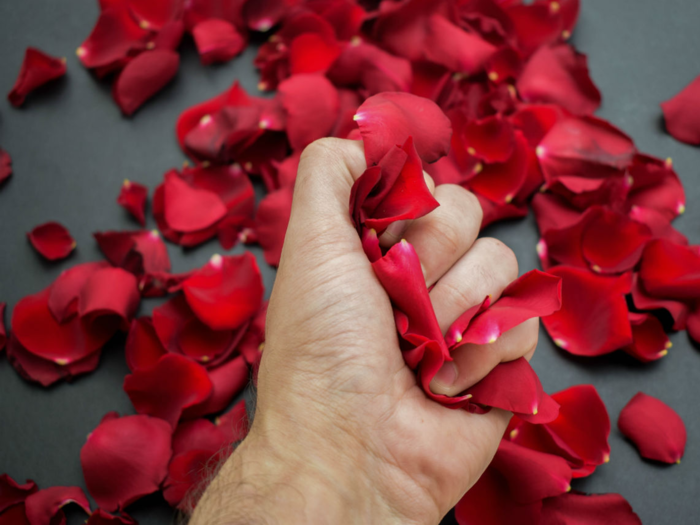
[198, 434]
[454, 48]
[66, 289]
[37, 69]
[3, 331]
[228, 380]
[52, 240]
[650, 340]
[271, 222]
[311, 103]
[41, 507]
[559, 75]
[682, 113]
[12, 493]
[143, 348]
[388, 119]
[234, 424]
[491, 139]
[590, 300]
[582, 509]
[133, 199]
[188, 209]
[535, 25]
[14, 516]
[217, 41]
[500, 182]
[100, 517]
[678, 310]
[167, 388]
[311, 53]
[656, 185]
[5, 165]
[670, 271]
[126, 458]
[109, 291]
[154, 14]
[655, 428]
[138, 252]
[143, 77]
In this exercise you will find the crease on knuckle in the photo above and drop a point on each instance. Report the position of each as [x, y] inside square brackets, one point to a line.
[499, 252]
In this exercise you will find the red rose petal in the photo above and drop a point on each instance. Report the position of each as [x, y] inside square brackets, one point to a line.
[311, 103]
[535, 25]
[559, 75]
[125, 459]
[500, 182]
[491, 139]
[588, 301]
[197, 434]
[167, 388]
[657, 222]
[3, 331]
[41, 507]
[228, 380]
[217, 41]
[643, 301]
[582, 509]
[100, 517]
[154, 14]
[139, 252]
[133, 198]
[5, 165]
[514, 386]
[143, 77]
[187, 471]
[109, 291]
[682, 114]
[650, 340]
[38, 68]
[143, 348]
[534, 294]
[312, 53]
[234, 424]
[656, 185]
[226, 292]
[263, 14]
[670, 271]
[12, 493]
[14, 516]
[388, 119]
[655, 428]
[457, 50]
[52, 240]
[189, 209]
[271, 222]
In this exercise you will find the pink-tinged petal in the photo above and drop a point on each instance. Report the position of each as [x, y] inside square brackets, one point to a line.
[3, 331]
[312, 53]
[166, 389]
[125, 459]
[234, 424]
[655, 428]
[133, 199]
[590, 300]
[678, 310]
[217, 41]
[12, 493]
[531, 475]
[670, 271]
[656, 185]
[228, 380]
[41, 507]
[143, 348]
[188, 209]
[226, 292]
[489, 502]
[559, 75]
[457, 50]
[311, 103]
[514, 386]
[650, 340]
[38, 68]
[5, 165]
[534, 294]
[500, 182]
[584, 147]
[582, 509]
[682, 114]
[388, 119]
[271, 222]
[363, 64]
[143, 77]
[101, 517]
[52, 240]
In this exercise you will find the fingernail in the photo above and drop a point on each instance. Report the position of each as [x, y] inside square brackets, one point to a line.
[445, 378]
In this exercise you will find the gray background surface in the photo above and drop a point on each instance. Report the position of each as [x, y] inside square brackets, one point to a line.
[72, 149]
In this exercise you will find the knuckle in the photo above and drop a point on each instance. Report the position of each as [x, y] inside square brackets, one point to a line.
[447, 235]
[466, 203]
[498, 251]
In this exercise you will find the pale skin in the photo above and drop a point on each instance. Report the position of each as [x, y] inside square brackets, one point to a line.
[342, 432]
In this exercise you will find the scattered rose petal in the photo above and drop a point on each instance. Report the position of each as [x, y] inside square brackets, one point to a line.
[38, 68]
[52, 240]
[583, 509]
[133, 198]
[217, 41]
[655, 428]
[125, 459]
[271, 220]
[670, 271]
[43, 506]
[100, 517]
[12, 493]
[143, 77]
[3, 332]
[650, 341]
[682, 113]
[5, 165]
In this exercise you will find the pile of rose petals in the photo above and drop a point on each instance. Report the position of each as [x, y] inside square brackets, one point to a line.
[486, 94]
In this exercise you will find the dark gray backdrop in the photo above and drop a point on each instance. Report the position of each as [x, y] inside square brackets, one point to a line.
[72, 148]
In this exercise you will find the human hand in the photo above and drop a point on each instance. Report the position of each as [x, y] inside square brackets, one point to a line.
[342, 431]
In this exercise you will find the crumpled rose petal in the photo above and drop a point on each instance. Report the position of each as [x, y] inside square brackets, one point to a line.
[490, 139]
[388, 119]
[43, 506]
[142, 253]
[655, 428]
[66, 289]
[583, 509]
[271, 220]
[656, 185]
[109, 292]
[593, 318]
[52, 240]
[650, 340]
[678, 310]
[5, 165]
[226, 292]
[682, 114]
[12, 493]
[514, 386]
[167, 388]
[579, 434]
[501, 182]
[100, 517]
[217, 41]
[559, 75]
[311, 104]
[228, 380]
[125, 459]
[143, 348]
[143, 77]
[670, 271]
[37, 69]
[133, 199]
